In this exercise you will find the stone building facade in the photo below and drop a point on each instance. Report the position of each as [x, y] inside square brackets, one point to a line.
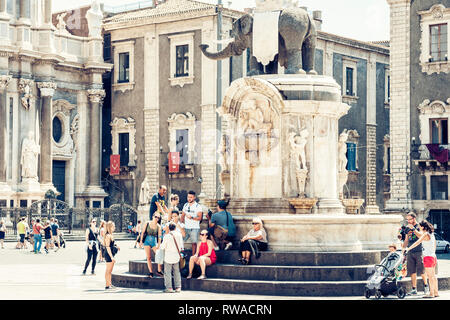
[419, 109]
[51, 94]
[154, 111]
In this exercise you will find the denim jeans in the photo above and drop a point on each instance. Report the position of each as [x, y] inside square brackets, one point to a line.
[37, 242]
[168, 268]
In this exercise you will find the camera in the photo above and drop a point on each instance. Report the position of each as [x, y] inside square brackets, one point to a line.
[404, 231]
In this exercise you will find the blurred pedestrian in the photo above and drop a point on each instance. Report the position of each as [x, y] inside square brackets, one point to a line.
[138, 230]
[101, 238]
[55, 234]
[2, 232]
[47, 236]
[37, 229]
[21, 231]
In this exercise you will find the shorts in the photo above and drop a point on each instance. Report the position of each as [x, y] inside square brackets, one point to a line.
[2, 235]
[49, 241]
[414, 263]
[150, 241]
[22, 237]
[429, 262]
[191, 235]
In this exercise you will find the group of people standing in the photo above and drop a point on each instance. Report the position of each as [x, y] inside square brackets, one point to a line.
[184, 226]
[33, 234]
[419, 244]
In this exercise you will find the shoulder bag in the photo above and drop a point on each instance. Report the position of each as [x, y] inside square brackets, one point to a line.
[220, 233]
[182, 259]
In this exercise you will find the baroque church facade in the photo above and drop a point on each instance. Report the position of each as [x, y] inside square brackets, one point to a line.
[51, 95]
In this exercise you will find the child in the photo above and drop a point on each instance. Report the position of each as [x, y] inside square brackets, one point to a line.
[392, 247]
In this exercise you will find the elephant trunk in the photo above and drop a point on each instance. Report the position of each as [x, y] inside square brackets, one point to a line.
[225, 53]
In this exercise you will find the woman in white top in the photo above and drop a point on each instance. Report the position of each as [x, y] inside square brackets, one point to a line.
[101, 237]
[429, 256]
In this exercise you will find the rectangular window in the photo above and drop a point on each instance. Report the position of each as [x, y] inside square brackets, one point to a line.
[107, 47]
[10, 7]
[23, 203]
[124, 67]
[438, 42]
[439, 131]
[349, 81]
[388, 157]
[124, 148]
[182, 61]
[3, 203]
[439, 187]
[351, 156]
[183, 145]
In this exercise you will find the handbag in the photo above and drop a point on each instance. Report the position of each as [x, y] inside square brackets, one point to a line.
[182, 259]
[220, 233]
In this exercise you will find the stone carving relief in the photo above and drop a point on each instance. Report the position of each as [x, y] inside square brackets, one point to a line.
[297, 144]
[29, 157]
[4, 81]
[25, 88]
[74, 129]
[61, 26]
[342, 151]
[256, 124]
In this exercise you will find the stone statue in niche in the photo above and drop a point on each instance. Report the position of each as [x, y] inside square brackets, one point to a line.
[61, 26]
[223, 158]
[27, 97]
[256, 122]
[29, 157]
[144, 195]
[342, 151]
[297, 144]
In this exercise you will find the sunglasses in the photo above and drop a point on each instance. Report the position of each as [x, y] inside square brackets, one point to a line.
[255, 223]
[203, 234]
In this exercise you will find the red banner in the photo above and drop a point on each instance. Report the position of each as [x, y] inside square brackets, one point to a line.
[114, 164]
[174, 162]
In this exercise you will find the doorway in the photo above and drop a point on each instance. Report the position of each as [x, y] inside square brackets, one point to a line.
[441, 220]
[59, 178]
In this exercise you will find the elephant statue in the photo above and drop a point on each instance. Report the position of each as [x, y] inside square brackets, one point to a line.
[296, 46]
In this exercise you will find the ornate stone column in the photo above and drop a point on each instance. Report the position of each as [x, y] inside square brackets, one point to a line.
[47, 90]
[4, 81]
[48, 12]
[96, 97]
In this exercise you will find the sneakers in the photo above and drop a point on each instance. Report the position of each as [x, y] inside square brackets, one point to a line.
[201, 277]
[412, 292]
[228, 246]
[110, 288]
[178, 290]
[189, 276]
[46, 251]
[169, 290]
[216, 248]
[426, 290]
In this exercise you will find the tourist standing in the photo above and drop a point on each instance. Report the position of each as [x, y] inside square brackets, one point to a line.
[47, 236]
[111, 249]
[151, 239]
[158, 202]
[428, 242]
[174, 201]
[91, 246]
[101, 238]
[172, 245]
[254, 241]
[2, 232]
[191, 217]
[414, 262]
[204, 256]
[178, 223]
[55, 234]
[37, 228]
[21, 231]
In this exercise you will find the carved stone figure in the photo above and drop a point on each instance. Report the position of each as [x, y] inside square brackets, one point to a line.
[424, 152]
[24, 87]
[223, 158]
[94, 18]
[296, 46]
[342, 151]
[29, 158]
[144, 195]
[297, 144]
[61, 26]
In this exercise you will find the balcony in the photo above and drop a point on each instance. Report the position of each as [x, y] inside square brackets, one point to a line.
[435, 160]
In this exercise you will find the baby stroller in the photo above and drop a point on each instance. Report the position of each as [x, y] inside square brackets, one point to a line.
[383, 281]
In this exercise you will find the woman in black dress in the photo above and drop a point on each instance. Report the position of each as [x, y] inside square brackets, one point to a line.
[110, 251]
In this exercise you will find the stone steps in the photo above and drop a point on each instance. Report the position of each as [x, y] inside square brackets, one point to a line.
[276, 273]
[79, 236]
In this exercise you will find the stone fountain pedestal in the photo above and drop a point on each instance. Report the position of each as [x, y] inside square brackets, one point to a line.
[282, 165]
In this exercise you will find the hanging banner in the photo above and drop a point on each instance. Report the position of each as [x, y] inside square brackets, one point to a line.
[114, 164]
[174, 162]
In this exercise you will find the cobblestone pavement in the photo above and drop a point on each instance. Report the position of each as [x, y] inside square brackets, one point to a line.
[57, 275]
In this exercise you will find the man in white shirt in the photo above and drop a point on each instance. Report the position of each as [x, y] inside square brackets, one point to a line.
[191, 217]
[172, 258]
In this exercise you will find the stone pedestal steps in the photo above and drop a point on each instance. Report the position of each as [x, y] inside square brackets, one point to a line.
[276, 273]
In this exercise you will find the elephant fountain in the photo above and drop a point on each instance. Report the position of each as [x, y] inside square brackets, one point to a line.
[296, 43]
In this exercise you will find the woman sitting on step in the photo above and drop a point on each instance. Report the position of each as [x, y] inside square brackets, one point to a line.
[254, 242]
[204, 256]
